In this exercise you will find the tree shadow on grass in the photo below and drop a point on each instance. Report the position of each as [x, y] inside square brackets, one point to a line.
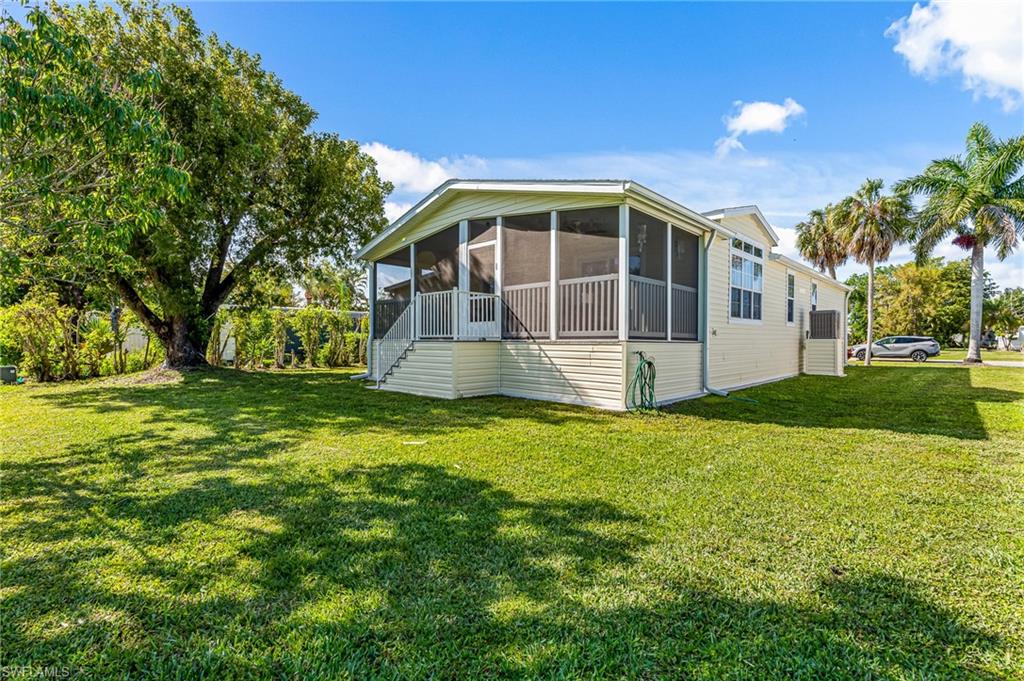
[920, 400]
[412, 571]
[286, 404]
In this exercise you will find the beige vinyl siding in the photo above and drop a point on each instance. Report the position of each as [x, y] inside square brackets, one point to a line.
[491, 204]
[743, 353]
[475, 368]
[820, 357]
[677, 368]
[576, 373]
[427, 369]
[747, 227]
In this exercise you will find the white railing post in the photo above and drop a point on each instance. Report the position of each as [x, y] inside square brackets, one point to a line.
[455, 313]
[416, 316]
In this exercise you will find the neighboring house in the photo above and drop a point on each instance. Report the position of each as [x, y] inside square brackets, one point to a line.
[548, 289]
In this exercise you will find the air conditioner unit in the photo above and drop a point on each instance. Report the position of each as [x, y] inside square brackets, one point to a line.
[8, 375]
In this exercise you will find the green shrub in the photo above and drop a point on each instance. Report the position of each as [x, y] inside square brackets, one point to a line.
[254, 342]
[309, 324]
[336, 352]
[39, 325]
[97, 342]
[280, 324]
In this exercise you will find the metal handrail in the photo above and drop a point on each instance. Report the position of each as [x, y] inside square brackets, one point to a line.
[395, 343]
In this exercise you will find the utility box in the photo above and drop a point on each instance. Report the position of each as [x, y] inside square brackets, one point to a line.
[8, 375]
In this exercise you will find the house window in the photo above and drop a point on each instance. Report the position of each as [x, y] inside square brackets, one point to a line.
[814, 296]
[790, 298]
[746, 280]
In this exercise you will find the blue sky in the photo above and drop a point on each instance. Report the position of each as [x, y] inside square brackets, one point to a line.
[647, 91]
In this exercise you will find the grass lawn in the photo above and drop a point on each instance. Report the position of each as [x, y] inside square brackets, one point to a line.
[960, 353]
[296, 525]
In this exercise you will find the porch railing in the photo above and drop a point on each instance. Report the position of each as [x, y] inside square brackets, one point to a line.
[526, 310]
[394, 343]
[458, 315]
[588, 306]
[684, 312]
[647, 315]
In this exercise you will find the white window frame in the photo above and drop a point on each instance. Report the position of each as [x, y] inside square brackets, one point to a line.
[790, 298]
[755, 255]
[814, 296]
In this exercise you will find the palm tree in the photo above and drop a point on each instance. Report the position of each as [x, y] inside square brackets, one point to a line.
[979, 198]
[873, 223]
[822, 241]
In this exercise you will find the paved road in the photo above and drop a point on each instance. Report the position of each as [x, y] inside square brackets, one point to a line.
[987, 362]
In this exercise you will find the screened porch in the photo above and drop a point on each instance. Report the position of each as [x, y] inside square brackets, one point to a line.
[549, 275]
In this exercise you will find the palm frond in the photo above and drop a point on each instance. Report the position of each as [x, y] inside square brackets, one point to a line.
[1005, 162]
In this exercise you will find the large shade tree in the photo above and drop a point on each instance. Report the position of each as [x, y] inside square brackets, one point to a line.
[874, 222]
[977, 198]
[85, 158]
[822, 241]
[266, 193]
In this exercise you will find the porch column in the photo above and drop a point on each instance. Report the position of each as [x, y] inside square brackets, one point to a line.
[668, 282]
[499, 249]
[553, 285]
[371, 302]
[624, 272]
[461, 300]
[412, 293]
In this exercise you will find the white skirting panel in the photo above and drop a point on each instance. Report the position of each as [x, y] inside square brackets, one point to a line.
[677, 368]
[822, 357]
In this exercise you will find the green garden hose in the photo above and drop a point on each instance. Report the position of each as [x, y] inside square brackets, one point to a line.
[641, 388]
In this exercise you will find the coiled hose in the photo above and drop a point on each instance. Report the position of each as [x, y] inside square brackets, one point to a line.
[641, 387]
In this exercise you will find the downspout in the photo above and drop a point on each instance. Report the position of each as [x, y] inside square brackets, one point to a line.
[705, 324]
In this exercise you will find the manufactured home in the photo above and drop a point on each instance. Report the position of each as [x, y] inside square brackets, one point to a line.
[550, 289]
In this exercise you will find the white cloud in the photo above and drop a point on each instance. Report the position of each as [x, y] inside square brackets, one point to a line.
[396, 209]
[785, 186]
[414, 176]
[983, 41]
[407, 171]
[752, 117]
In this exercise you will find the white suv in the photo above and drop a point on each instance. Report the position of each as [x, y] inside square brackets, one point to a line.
[917, 348]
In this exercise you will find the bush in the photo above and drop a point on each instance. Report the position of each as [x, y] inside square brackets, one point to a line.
[253, 337]
[336, 352]
[97, 342]
[280, 324]
[39, 325]
[309, 324]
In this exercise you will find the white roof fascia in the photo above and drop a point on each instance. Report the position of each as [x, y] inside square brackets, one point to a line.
[529, 186]
[738, 211]
[597, 187]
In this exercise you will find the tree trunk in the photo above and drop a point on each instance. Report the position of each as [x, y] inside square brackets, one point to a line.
[182, 346]
[871, 312]
[977, 301]
[832, 271]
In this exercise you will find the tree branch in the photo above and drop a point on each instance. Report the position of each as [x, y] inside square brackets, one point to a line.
[137, 305]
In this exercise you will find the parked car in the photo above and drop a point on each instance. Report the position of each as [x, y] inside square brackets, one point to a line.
[917, 348]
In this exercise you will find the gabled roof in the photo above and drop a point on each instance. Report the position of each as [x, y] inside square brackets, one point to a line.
[622, 188]
[740, 211]
[797, 265]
